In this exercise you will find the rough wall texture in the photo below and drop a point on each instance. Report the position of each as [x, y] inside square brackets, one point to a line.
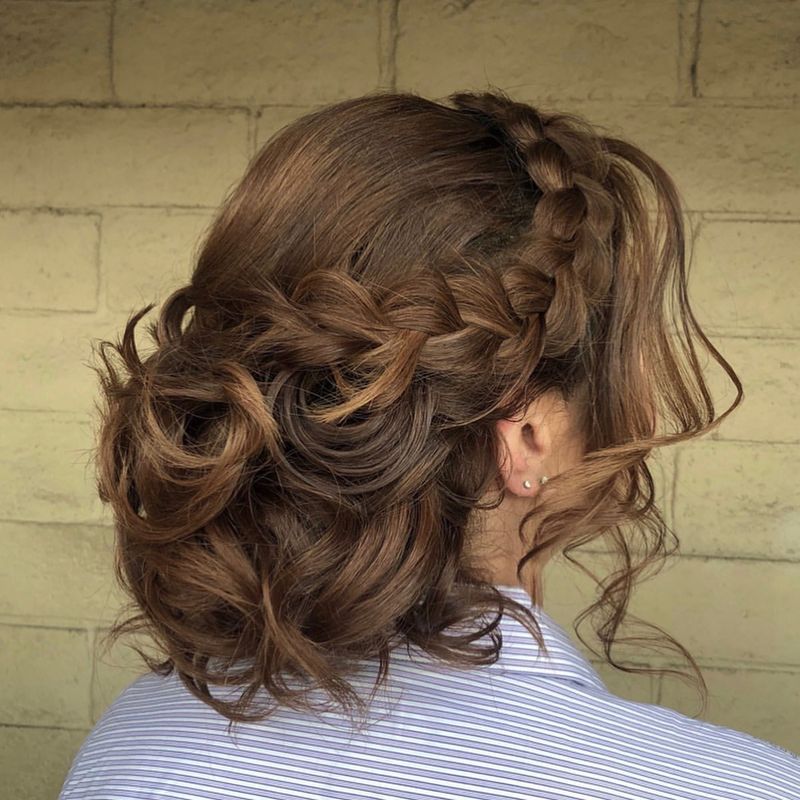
[124, 122]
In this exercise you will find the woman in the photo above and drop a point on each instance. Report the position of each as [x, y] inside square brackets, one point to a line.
[425, 347]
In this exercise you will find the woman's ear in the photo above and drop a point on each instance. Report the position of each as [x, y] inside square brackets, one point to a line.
[526, 444]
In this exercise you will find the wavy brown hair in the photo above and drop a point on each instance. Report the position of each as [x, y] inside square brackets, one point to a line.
[293, 469]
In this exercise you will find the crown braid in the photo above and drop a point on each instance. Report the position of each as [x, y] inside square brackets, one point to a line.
[570, 234]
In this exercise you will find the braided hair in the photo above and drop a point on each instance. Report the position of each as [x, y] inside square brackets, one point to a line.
[295, 467]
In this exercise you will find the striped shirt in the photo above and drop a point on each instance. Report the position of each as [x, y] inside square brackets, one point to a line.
[525, 727]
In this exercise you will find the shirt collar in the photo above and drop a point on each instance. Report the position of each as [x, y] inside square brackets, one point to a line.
[520, 652]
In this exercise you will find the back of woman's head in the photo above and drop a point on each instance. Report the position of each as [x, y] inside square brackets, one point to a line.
[295, 467]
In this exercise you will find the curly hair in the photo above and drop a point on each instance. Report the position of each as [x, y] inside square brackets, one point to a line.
[294, 467]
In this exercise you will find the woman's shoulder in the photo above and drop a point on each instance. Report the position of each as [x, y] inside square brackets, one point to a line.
[735, 763]
[579, 732]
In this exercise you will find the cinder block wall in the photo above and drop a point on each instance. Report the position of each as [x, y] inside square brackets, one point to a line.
[124, 122]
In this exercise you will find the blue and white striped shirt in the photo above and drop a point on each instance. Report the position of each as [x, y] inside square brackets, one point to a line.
[525, 727]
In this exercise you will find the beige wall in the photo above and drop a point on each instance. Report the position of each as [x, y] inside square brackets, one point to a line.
[122, 125]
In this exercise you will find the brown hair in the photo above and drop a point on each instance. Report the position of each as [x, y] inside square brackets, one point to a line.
[294, 467]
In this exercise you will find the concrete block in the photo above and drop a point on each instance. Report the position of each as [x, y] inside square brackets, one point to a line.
[63, 573]
[748, 50]
[245, 53]
[718, 155]
[47, 473]
[556, 51]
[120, 156]
[768, 371]
[46, 676]
[743, 278]
[738, 499]
[34, 761]
[146, 253]
[55, 52]
[46, 360]
[49, 260]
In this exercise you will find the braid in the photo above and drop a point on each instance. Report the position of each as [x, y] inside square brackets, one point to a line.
[537, 307]
[569, 237]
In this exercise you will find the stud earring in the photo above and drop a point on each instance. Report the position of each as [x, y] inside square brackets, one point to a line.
[542, 481]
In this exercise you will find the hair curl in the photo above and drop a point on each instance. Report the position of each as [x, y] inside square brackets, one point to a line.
[294, 467]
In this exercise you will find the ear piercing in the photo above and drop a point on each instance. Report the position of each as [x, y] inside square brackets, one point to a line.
[542, 481]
